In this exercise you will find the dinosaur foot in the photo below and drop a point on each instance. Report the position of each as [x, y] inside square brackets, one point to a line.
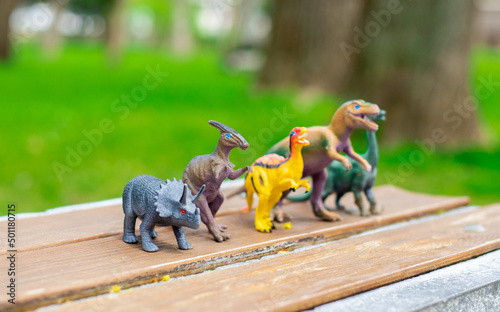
[130, 239]
[321, 212]
[264, 225]
[185, 245]
[340, 207]
[153, 234]
[278, 215]
[218, 235]
[363, 210]
[330, 208]
[376, 209]
[150, 247]
[364, 213]
[221, 227]
[355, 211]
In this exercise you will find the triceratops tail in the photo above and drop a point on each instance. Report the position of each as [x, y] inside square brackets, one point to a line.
[127, 200]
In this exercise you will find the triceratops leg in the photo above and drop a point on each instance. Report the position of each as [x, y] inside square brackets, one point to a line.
[146, 227]
[129, 229]
[181, 238]
[153, 233]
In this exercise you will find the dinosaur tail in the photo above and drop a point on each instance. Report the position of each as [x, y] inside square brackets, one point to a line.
[239, 190]
[127, 200]
[300, 198]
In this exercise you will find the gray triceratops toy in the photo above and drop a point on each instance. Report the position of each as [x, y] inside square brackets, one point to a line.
[155, 201]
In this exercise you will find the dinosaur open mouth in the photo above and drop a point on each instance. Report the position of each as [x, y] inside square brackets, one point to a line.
[302, 138]
[370, 125]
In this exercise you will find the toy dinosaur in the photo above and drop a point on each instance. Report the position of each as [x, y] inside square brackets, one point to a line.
[272, 175]
[211, 170]
[326, 144]
[356, 180]
[155, 201]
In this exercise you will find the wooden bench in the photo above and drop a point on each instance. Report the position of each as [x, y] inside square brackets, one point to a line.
[71, 259]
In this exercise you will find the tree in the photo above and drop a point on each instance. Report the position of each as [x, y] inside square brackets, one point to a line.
[410, 57]
[6, 8]
[415, 65]
[52, 37]
[115, 24]
[182, 41]
[304, 44]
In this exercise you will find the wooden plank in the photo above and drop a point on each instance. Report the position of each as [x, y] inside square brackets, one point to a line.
[307, 278]
[89, 267]
[70, 227]
[75, 226]
[475, 286]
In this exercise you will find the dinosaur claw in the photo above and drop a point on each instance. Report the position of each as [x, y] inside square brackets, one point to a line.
[324, 214]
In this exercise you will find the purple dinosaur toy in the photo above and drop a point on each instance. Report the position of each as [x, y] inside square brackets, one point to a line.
[211, 170]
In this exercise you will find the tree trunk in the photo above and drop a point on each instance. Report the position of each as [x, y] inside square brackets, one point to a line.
[304, 45]
[6, 8]
[413, 61]
[182, 40]
[410, 57]
[115, 30]
[238, 35]
[52, 37]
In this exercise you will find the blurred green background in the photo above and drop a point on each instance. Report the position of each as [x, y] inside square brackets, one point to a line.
[53, 91]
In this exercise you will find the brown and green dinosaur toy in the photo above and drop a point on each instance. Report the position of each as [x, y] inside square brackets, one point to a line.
[326, 144]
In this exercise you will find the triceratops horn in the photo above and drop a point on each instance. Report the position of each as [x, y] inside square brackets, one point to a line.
[199, 193]
[183, 199]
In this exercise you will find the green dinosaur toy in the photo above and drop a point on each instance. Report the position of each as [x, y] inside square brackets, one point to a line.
[327, 143]
[357, 180]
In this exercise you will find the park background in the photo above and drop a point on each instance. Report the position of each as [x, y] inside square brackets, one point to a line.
[96, 92]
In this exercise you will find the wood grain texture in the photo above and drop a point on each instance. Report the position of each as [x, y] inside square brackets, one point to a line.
[70, 227]
[90, 267]
[306, 278]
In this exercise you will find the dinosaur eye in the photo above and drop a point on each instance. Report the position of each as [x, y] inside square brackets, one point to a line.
[356, 107]
[228, 136]
[293, 133]
[183, 211]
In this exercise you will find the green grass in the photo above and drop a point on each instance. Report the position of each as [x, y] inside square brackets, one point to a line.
[47, 104]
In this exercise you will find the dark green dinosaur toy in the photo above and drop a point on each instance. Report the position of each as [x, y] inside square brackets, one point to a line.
[357, 180]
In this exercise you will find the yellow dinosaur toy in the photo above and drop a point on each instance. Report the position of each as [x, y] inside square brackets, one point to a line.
[272, 175]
